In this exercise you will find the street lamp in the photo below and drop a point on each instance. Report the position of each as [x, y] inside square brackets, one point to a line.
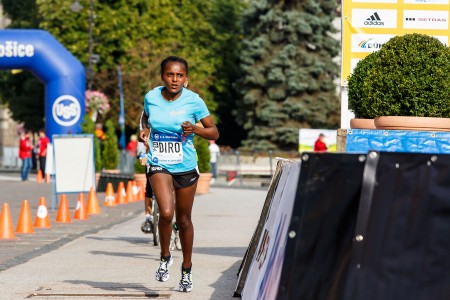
[77, 7]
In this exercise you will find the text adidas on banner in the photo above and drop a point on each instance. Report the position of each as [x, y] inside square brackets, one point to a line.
[369, 42]
[374, 18]
[425, 19]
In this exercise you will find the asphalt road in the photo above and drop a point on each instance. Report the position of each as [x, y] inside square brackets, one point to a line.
[107, 256]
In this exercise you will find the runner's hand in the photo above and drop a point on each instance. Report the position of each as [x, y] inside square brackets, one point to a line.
[187, 127]
[143, 136]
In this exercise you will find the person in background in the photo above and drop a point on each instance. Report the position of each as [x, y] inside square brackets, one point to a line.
[25, 150]
[132, 145]
[214, 152]
[142, 150]
[42, 155]
[319, 145]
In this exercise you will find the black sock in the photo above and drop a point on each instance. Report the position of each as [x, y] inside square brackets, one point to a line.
[166, 258]
[183, 269]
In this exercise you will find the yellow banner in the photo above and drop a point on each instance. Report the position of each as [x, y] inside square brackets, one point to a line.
[368, 24]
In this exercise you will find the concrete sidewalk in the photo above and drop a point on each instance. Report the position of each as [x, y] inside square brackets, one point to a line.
[120, 262]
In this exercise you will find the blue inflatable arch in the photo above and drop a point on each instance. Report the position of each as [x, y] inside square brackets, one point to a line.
[64, 77]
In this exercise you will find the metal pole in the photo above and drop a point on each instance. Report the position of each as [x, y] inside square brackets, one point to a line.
[91, 43]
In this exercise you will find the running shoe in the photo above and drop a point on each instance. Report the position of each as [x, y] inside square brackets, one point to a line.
[162, 274]
[147, 226]
[186, 284]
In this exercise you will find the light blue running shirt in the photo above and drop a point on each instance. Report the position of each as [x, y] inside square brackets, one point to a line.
[169, 147]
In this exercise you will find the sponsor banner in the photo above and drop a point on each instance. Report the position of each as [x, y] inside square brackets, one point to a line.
[369, 42]
[375, 1]
[426, 2]
[16, 49]
[443, 39]
[425, 19]
[265, 271]
[370, 18]
[66, 110]
[367, 27]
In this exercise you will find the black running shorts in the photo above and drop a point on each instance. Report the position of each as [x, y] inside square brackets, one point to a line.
[180, 180]
[148, 188]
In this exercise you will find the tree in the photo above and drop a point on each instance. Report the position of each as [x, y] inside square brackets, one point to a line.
[288, 72]
[110, 152]
[203, 155]
[22, 93]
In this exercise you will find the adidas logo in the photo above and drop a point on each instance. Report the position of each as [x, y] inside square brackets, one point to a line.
[374, 20]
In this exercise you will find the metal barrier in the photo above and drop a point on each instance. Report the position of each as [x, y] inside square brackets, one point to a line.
[236, 165]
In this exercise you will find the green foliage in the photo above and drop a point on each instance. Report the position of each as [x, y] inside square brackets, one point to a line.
[138, 168]
[201, 146]
[23, 93]
[88, 127]
[287, 72]
[110, 153]
[356, 100]
[408, 76]
[138, 34]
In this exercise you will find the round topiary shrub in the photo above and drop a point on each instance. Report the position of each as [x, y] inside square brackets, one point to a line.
[356, 100]
[408, 76]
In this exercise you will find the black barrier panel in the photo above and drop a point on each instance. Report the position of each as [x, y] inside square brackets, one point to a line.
[105, 178]
[401, 248]
[322, 225]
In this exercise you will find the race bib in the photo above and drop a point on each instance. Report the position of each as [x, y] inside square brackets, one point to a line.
[166, 148]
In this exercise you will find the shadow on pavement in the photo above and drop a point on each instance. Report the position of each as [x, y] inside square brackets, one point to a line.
[131, 240]
[228, 279]
[221, 251]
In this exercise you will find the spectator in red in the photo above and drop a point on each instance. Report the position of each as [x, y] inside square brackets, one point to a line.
[25, 148]
[42, 156]
[132, 145]
[319, 145]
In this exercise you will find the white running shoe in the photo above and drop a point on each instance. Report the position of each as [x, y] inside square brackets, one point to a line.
[186, 284]
[162, 274]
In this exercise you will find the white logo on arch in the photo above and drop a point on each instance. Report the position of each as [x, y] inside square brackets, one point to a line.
[66, 110]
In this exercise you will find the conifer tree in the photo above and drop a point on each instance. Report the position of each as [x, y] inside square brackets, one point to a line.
[288, 71]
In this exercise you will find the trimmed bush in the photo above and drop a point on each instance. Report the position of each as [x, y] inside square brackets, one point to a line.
[110, 154]
[408, 76]
[202, 147]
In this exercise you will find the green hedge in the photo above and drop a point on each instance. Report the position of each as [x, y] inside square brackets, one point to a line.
[408, 76]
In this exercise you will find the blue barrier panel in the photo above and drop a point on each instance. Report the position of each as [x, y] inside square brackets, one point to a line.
[363, 140]
[64, 77]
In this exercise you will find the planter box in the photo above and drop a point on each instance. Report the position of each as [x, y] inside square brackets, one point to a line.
[361, 141]
[114, 179]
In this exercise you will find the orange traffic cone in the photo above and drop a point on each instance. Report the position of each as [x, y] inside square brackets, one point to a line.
[24, 224]
[135, 189]
[39, 177]
[129, 197]
[42, 219]
[121, 194]
[48, 179]
[93, 208]
[110, 200]
[81, 210]
[63, 215]
[6, 225]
